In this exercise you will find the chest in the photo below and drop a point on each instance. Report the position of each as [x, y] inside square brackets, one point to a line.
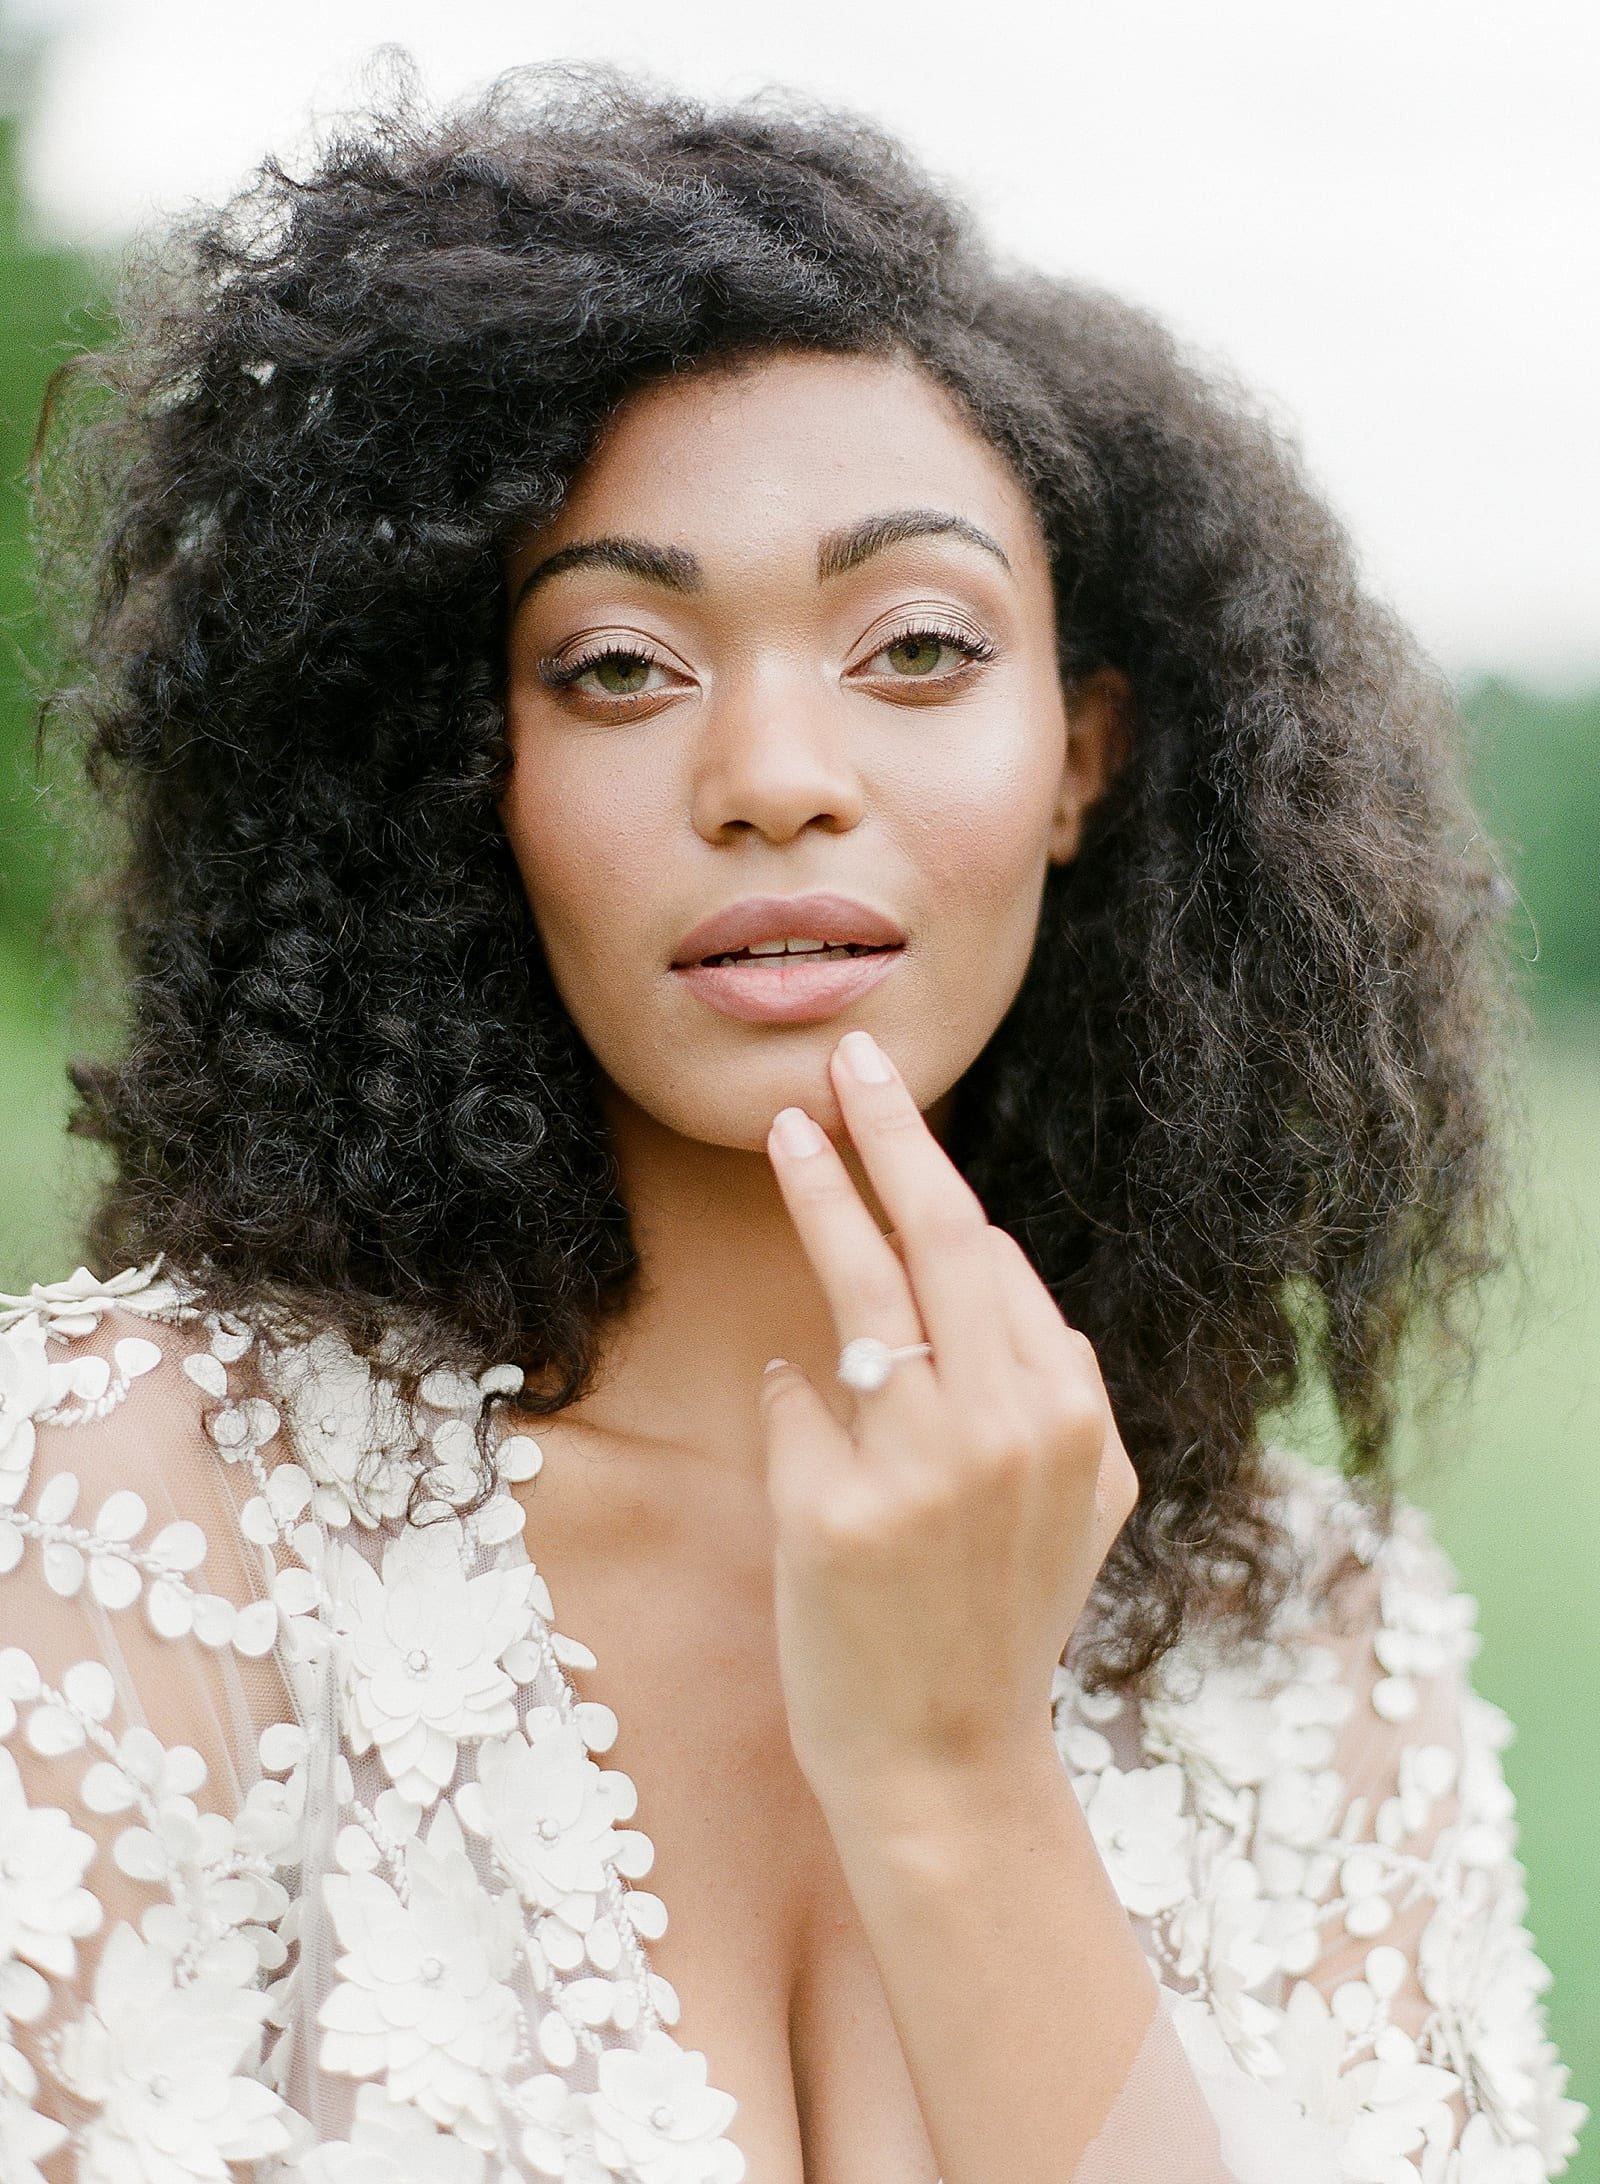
[776, 1982]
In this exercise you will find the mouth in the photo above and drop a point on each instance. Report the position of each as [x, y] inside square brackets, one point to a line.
[794, 960]
[773, 988]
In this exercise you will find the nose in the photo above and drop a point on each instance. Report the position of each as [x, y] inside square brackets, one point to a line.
[774, 757]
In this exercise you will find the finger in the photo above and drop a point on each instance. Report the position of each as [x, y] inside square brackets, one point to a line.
[866, 1286]
[807, 1451]
[1041, 1335]
[943, 1229]
[1049, 1346]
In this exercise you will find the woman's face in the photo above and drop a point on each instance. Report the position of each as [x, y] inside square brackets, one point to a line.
[784, 669]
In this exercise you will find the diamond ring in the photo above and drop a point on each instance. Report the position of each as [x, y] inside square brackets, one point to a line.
[866, 1363]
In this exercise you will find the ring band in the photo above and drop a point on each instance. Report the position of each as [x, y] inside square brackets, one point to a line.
[866, 1363]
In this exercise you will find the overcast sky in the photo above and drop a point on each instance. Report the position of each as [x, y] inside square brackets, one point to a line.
[1384, 213]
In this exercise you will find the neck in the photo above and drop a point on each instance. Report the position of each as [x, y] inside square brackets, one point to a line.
[723, 1285]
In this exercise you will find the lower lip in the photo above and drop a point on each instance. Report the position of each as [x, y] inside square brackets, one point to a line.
[787, 989]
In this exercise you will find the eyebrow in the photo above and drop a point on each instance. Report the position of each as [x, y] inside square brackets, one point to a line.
[676, 569]
[669, 566]
[858, 542]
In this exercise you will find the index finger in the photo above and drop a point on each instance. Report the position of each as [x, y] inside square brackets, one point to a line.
[865, 1283]
[943, 1229]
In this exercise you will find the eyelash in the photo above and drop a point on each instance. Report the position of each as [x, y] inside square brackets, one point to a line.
[562, 674]
[558, 674]
[977, 649]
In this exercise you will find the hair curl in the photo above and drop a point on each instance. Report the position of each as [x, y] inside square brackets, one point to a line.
[1238, 1112]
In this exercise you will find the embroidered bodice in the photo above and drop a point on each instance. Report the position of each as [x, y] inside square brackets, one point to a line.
[311, 1865]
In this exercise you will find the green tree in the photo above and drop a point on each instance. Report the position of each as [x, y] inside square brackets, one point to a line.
[1536, 774]
[51, 305]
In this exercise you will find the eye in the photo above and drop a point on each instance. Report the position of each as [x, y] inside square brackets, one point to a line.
[619, 674]
[614, 673]
[928, 655]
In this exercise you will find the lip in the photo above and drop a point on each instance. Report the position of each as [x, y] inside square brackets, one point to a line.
[832, 918]
[788, 989]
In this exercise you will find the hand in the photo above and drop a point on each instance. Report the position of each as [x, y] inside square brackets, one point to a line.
[933, 1557]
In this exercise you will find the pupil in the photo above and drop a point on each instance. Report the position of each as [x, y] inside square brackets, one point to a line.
[622, 674]
[916, 655]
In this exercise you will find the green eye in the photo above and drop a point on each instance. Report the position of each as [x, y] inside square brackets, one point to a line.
[915, 655]
[621, 674]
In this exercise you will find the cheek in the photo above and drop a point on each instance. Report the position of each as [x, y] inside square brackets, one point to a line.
[580, 831]
[981, 829]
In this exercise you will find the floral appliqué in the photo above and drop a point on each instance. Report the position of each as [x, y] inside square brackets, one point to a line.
[402, 1894]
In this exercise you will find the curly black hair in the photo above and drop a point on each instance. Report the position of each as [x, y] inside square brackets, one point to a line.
[1240, 1114]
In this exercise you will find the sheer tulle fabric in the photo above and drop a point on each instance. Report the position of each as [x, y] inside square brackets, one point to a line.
[310, 1864]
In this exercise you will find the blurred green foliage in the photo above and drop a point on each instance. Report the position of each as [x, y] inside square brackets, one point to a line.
[1534, 766]
[52, 305]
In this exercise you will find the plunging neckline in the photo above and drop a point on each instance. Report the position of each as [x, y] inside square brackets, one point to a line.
[553, 1637]
[636, 1939]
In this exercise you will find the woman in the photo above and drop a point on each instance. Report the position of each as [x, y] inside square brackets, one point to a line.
[793, 862]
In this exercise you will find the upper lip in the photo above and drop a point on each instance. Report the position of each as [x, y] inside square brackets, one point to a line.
[833, 918]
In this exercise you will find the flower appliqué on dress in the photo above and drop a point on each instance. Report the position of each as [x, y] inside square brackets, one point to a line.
[409, 1903]
[422, 1649]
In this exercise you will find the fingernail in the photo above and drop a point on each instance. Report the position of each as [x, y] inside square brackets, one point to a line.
[796, 1133]
[864, 1058]
[775, 1365]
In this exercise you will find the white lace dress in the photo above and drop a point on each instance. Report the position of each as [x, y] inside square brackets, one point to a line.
[311, 1867]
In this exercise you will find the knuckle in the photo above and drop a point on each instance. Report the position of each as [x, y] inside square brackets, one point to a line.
[833, 1533]
[853, 1529]
[1005, 1246]
[1002, 1447]
[897, 1114]
[1081, 1349]
[950, 1225]
[932, 1498]
[880, 1293]
[1075, 1416]
[820, 1183]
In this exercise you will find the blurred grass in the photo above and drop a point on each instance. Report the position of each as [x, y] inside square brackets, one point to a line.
[1519, 1509]
[46, 1178]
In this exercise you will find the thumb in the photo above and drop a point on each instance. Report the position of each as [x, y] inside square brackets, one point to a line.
[802, 1438]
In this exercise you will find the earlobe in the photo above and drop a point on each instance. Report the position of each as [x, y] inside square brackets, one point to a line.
[1099, 744]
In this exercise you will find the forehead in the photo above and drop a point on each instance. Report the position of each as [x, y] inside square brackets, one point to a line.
[790, 445]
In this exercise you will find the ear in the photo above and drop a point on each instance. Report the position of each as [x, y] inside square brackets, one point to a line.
[1099, 741]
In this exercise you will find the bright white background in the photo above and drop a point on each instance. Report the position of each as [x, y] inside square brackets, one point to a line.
[1384, 213]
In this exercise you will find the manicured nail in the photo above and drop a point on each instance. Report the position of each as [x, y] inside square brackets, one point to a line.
[796, 1133]
[775, 1365]
[864, 1058]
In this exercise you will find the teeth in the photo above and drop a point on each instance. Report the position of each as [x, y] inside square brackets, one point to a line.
[770, 948]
